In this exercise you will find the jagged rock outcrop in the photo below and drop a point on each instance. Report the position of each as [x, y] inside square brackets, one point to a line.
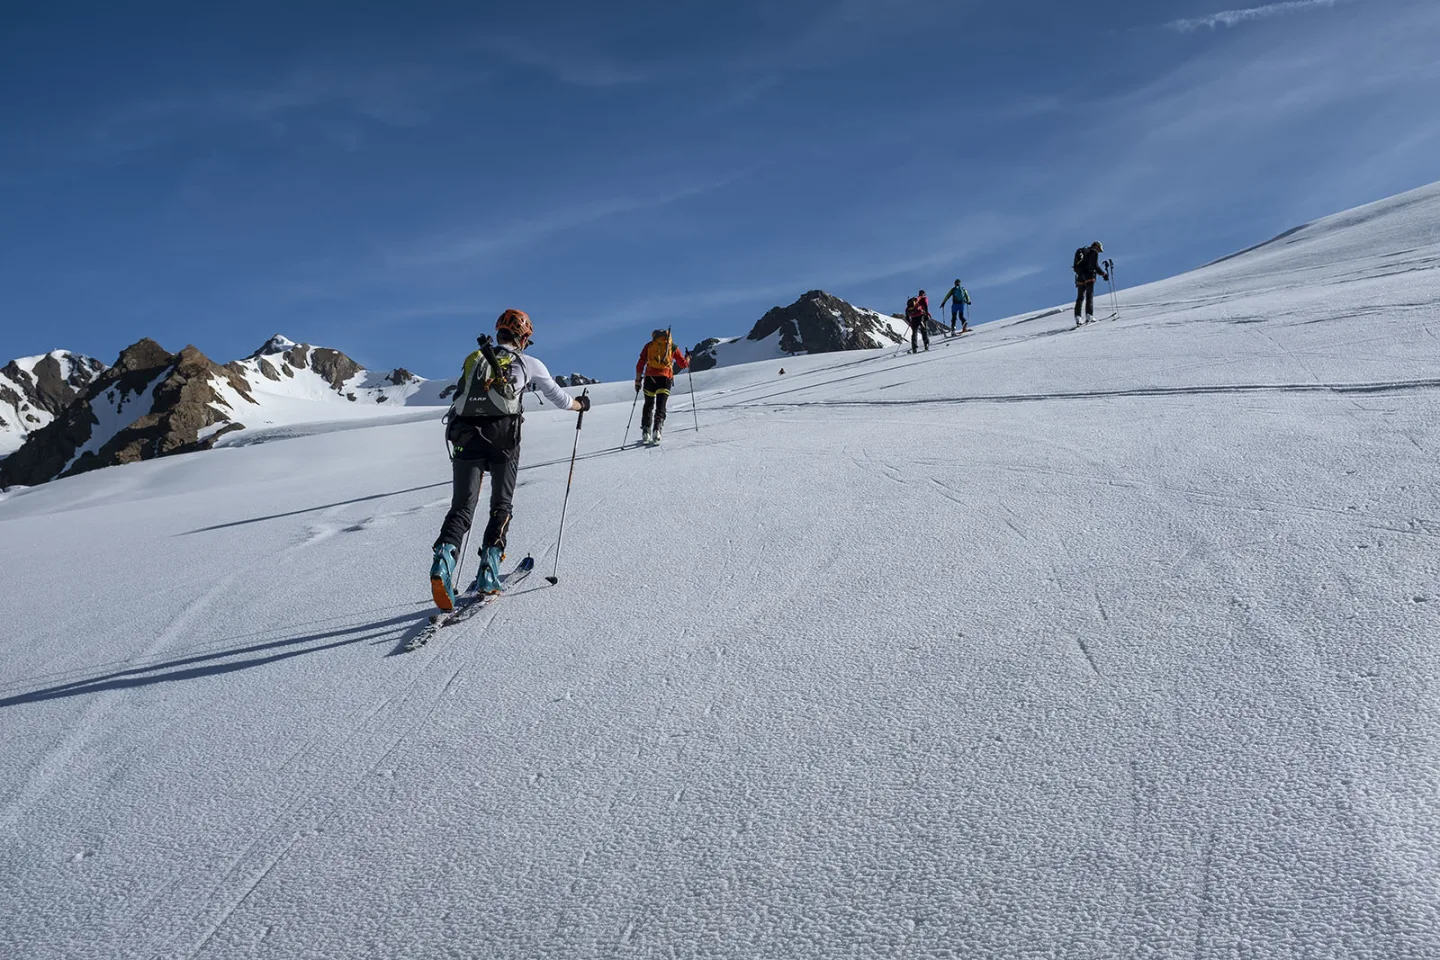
[281, 357]
[574, 380]
[818, 322]
[151, 403]
[35, 390]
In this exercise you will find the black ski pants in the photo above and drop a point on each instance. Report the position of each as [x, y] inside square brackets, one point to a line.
[657, 396]
[918, 329]
[1085, 296]
[488, 445]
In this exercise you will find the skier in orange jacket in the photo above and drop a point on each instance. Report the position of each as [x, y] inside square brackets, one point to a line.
[655, 373]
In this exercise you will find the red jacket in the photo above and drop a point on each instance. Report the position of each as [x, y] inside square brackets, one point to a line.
[660, 358]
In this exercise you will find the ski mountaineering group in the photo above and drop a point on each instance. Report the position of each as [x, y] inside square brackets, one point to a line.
[482, 432]
[482, 426]
[917, 315]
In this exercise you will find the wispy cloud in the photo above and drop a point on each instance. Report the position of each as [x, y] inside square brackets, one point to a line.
[396, 96]
[1009, 275]
[569, 66]
[461, 246]
[1231, 18]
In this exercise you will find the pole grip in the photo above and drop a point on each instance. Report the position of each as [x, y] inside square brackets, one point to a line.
[581, 419]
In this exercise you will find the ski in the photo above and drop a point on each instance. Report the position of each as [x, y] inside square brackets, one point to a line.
[469, 604]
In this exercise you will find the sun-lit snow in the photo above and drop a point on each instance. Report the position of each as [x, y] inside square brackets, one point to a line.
[1111, 642]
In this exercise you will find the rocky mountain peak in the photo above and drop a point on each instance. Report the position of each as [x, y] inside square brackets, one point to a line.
[150, 403]
[279, 343]
[817, 322]
[144, 354]
[35, 390]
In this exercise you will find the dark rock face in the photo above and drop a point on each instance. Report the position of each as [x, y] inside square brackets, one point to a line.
[816, 323]
[332, 365]
[47, 387]
[574, 380]
[183, 402]
[41, 393]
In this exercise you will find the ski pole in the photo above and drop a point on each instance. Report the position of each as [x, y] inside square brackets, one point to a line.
[560, 538]
[1110, 279]
[631, 420]
[691, 377]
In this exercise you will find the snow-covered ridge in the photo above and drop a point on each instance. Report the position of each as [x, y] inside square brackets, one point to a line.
[152, 403]
[80, 415]
[34, 389]
[282, 372]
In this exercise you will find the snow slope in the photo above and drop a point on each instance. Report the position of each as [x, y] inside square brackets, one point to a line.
[1116, 642]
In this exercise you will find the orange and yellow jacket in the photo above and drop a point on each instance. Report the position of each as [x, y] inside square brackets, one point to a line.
[660, 358]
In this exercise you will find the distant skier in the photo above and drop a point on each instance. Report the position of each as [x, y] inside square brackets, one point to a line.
[1087, 267]
[916, 316]
[483, 431]
[958, 298]
[655, 373]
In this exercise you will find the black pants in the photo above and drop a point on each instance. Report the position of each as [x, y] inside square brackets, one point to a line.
[919, 328]
[1085, 294]
[490, 445]
[657, 395]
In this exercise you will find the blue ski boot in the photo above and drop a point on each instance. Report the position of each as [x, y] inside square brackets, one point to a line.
[442, 574]
[488, 580]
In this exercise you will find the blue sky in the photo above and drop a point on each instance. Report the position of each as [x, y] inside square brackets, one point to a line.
[385, 178]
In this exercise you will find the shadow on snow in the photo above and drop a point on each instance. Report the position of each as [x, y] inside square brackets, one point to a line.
[219, 662]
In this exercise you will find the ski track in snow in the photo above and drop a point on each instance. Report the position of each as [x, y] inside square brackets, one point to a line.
[1040, 644]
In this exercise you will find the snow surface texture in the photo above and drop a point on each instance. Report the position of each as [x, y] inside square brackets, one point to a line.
[1118, 642]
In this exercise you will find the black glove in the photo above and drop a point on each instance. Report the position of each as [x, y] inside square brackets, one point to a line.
[637, 386]
[584, 401]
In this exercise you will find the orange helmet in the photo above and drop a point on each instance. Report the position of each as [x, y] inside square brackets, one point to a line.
[517, 324]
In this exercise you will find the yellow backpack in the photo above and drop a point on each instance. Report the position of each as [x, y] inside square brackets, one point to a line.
[658, 355]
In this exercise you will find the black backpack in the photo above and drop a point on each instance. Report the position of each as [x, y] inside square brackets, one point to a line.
[1080, 255]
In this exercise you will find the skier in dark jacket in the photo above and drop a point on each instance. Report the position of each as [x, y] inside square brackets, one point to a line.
[483, 431]
[915, 316]
[1087, 267]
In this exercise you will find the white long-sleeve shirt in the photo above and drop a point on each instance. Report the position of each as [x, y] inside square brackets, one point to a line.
[534, 375]
[528, 373]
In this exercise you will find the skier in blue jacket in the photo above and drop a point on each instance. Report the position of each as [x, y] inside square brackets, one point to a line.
[959, 298]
